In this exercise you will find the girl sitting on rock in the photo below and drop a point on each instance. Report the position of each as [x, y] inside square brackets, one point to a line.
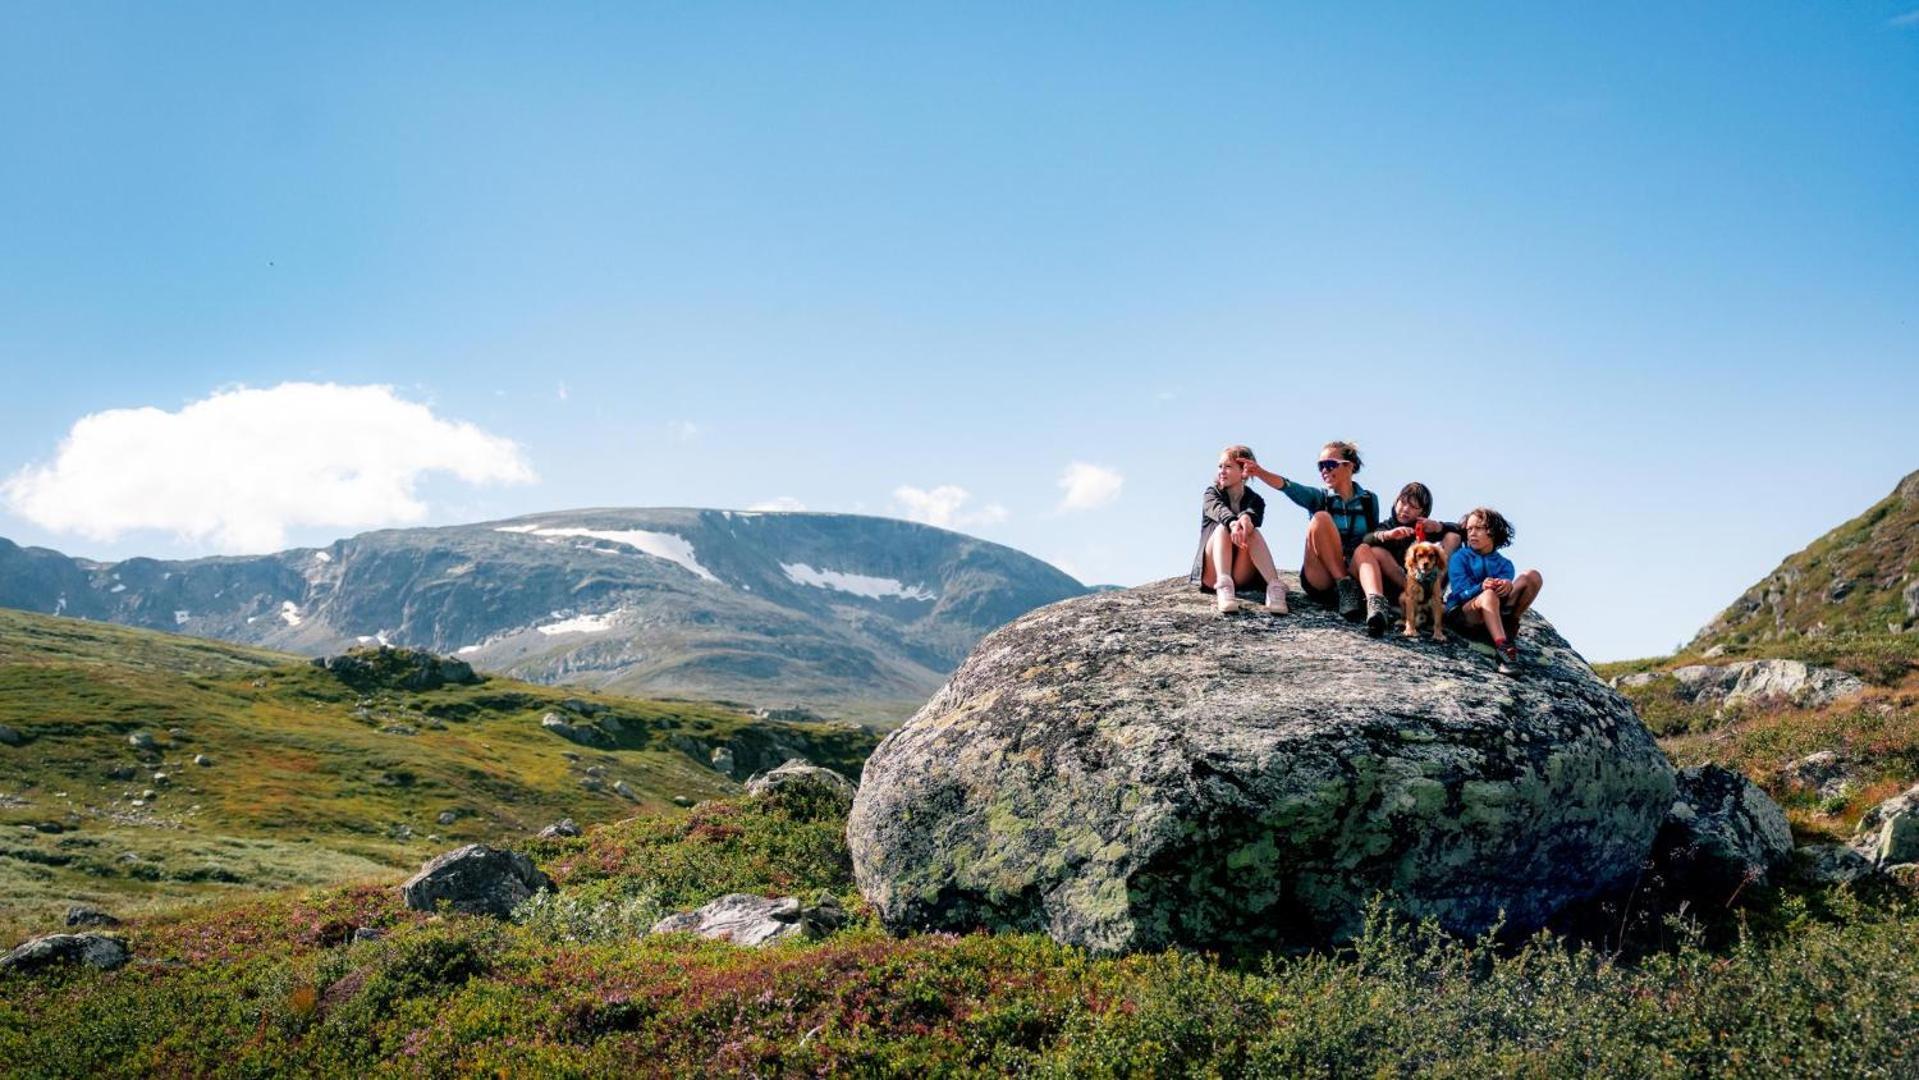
[1380, 561]
[1343, 513]
[1485, 594]
[1232, 554]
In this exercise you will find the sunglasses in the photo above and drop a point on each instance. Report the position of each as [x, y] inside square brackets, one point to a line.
[1332, 463]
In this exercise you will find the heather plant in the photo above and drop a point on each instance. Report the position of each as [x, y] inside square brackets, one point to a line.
[587, 919]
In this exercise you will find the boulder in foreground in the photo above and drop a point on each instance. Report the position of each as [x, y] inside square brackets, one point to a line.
[1129, 770]
[744, 919]
[94, 950]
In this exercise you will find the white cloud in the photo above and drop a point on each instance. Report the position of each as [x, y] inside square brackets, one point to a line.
[563, 393]
[944, 506]
[1088, 487]
[785, 504]
[684, 430]
[239, 468]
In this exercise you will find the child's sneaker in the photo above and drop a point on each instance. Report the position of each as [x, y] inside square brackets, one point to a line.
[1508, 659]
[1352, 599]
[1276, 598]
[1228, 603]
[1377, 616]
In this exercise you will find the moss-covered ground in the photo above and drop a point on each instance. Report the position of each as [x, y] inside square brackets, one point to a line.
[1820, 986]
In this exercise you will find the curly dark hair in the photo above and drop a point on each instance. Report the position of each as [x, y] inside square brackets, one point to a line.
[1502, 530]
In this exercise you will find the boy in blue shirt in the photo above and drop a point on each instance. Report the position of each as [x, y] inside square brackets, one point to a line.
[1484, 591]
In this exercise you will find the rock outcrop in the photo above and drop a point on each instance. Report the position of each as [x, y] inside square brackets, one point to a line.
[757, 920]
[1129, 770]
[387, 667]
[1723, 833]
[1764, 683]
[475, 880]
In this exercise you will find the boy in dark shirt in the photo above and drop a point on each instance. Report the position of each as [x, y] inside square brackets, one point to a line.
[1232, 554]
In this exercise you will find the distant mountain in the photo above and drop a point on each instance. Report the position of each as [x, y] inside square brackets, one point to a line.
[859, 616]
[1860, 578]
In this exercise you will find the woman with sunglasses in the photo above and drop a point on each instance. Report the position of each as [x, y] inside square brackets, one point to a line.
[1343, 513]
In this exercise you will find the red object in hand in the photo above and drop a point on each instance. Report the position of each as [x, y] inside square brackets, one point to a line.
[1419, 532]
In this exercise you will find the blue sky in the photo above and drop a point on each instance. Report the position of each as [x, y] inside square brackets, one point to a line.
[1644, 277]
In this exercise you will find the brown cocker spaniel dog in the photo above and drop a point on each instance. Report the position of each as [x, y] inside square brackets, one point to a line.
[1425, 587]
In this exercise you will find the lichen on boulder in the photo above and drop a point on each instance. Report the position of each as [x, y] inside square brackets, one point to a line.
[1130, 770]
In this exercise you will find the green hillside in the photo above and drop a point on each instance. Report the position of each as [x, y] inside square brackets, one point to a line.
[309, 781]
[1860, 579]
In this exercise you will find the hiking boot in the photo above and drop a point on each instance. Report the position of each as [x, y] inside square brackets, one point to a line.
[1352, 599]
[1377, 615]
[1223, 593]
[1276, 598]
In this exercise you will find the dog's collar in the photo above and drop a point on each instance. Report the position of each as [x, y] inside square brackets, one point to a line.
[1427, 577]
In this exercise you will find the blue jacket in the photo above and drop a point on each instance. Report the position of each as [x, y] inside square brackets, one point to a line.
[1468, 571]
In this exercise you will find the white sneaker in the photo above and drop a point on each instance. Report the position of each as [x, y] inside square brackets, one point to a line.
[1223, 592]
[1276, 598]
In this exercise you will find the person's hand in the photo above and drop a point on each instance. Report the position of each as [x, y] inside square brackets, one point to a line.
[1499, 586]
[1242, 531]
[1404, 532]
[1252, 468]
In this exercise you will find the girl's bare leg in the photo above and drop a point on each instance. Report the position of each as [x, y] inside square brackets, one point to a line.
[1325, 558]
[1366, 562]
[1486, 605]
[1525, 590]
[1219, 553]
[1261, 557]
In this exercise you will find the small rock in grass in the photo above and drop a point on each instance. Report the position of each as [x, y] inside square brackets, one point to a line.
[149, 795]
[1829, 864]
[621, 789]
[797, 774]
[682, 800]
[202, 760]
[9, 737]
[562, 827]
[177, 732]
[1898, 840]
[140, 740]
[756, 920]
[120, 772]
[162, 778]
[448, 817]
[476, 880]
[367, 933]
[88, 915]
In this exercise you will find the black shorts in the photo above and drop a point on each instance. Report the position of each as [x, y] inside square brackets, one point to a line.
[1456, 622]
[1328, 598]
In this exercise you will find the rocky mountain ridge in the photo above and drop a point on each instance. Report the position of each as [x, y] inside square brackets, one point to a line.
[858, 616]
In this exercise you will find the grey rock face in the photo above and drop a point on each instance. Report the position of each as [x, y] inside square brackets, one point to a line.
[722, 759]
[367, 933]
[448, 817]
[403, 669]
[140, 740]
[1129, 770]
[1764, 683]
[1829, 864]
[562, 827]
[797, 773]
[1898, 841]
[1723, 832]
[475, 879]
[756, 920]
[1911, 597]
[93, 950]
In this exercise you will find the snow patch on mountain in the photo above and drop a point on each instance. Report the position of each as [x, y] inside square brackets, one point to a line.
[873, 588]
[581, 624]
[660, 545]
[290, 613]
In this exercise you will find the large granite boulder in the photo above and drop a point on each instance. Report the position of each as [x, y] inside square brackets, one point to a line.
[475, 880]
[1131, 770]
[1764, 683]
